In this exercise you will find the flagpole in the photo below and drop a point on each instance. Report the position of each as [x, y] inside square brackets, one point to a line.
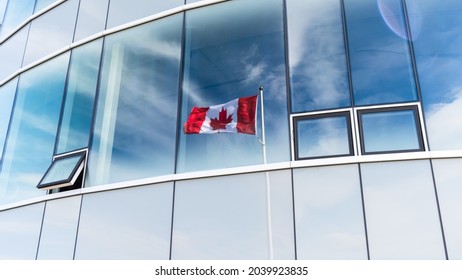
[267, 180]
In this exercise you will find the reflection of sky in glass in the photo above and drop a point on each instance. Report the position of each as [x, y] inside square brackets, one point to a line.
[401, 212]
[123, 11]
[12, 52]
[323, 136]
[80, 96]
[317, 55]
[51, 31]
[389, 131]
[230, 58]
[31, 141]
[380, 62]
[329, 214]
[91, 18]
[137, 108]
[16, 13]
[448, 178]
[40, 4]
[7, 93]
[61, 169]
[436, 28]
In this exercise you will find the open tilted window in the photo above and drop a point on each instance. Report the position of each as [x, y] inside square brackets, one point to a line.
[64, 173]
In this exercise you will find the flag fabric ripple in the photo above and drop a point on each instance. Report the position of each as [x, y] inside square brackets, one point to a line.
[235, 116]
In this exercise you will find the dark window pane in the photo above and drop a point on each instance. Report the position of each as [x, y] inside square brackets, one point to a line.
[394, 130]
[318, 73]
[31, 139]
[379, 54]
[80, 97]
[231, 58]
[321, 136]
[437, 37]
[136, 117]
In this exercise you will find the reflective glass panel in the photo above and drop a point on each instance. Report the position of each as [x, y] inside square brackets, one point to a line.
[448, 178]
[51, 31]
[136, 118]
[12, 53]
[3, 4]
[59, 230]
[20, 231]
[401, 212]
[16, 13]
[31, 140]
[323, 135]
[437, 39]
[379, 53]
[230, 59]
[329, 213]
[80, 97]
[7, 93]
[91, 18]
[123, 11]
[62, 170]
[133, 223]
[318, 73]
[385, 131]
[40, 4]
[226, 217]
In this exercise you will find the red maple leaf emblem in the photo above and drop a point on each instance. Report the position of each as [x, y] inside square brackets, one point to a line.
[222, 121]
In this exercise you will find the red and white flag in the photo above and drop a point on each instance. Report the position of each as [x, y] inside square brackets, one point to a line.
[235, 116]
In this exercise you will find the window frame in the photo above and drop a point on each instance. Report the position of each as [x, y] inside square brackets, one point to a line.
[78, 170]
[414, 107]
[320, 115]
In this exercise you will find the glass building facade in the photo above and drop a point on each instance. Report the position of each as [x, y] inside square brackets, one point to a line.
[362, 113]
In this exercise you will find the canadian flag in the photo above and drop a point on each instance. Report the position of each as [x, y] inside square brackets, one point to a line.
[235, 116]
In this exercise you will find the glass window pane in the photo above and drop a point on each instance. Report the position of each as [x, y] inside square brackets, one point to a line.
[437, 39]
[3, 4]
[51, 31]
[31, 140]
[7, 93]
[80, 97]
[135, 223]
[12, 52]
[20, 231]
[122, 11]
[329, 213]
[323, 135]
[59, 230]
[318, 73]
[16, 13]
[136, 117]
[230, 59]
[448, 180]
[91, 18]
[226, 218]
[41, 4]
[62, 171]
[379, 54]
[401, 212]
[387, 131]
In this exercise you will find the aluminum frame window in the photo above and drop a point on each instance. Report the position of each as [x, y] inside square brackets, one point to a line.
[383, 113]
[64, 172]
[346, 132]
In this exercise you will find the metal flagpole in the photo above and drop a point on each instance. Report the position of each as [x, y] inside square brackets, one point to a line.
[267, 180]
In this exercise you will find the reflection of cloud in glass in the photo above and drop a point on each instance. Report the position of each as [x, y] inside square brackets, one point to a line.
[316, 55]
[444, 124]
[391, 13]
